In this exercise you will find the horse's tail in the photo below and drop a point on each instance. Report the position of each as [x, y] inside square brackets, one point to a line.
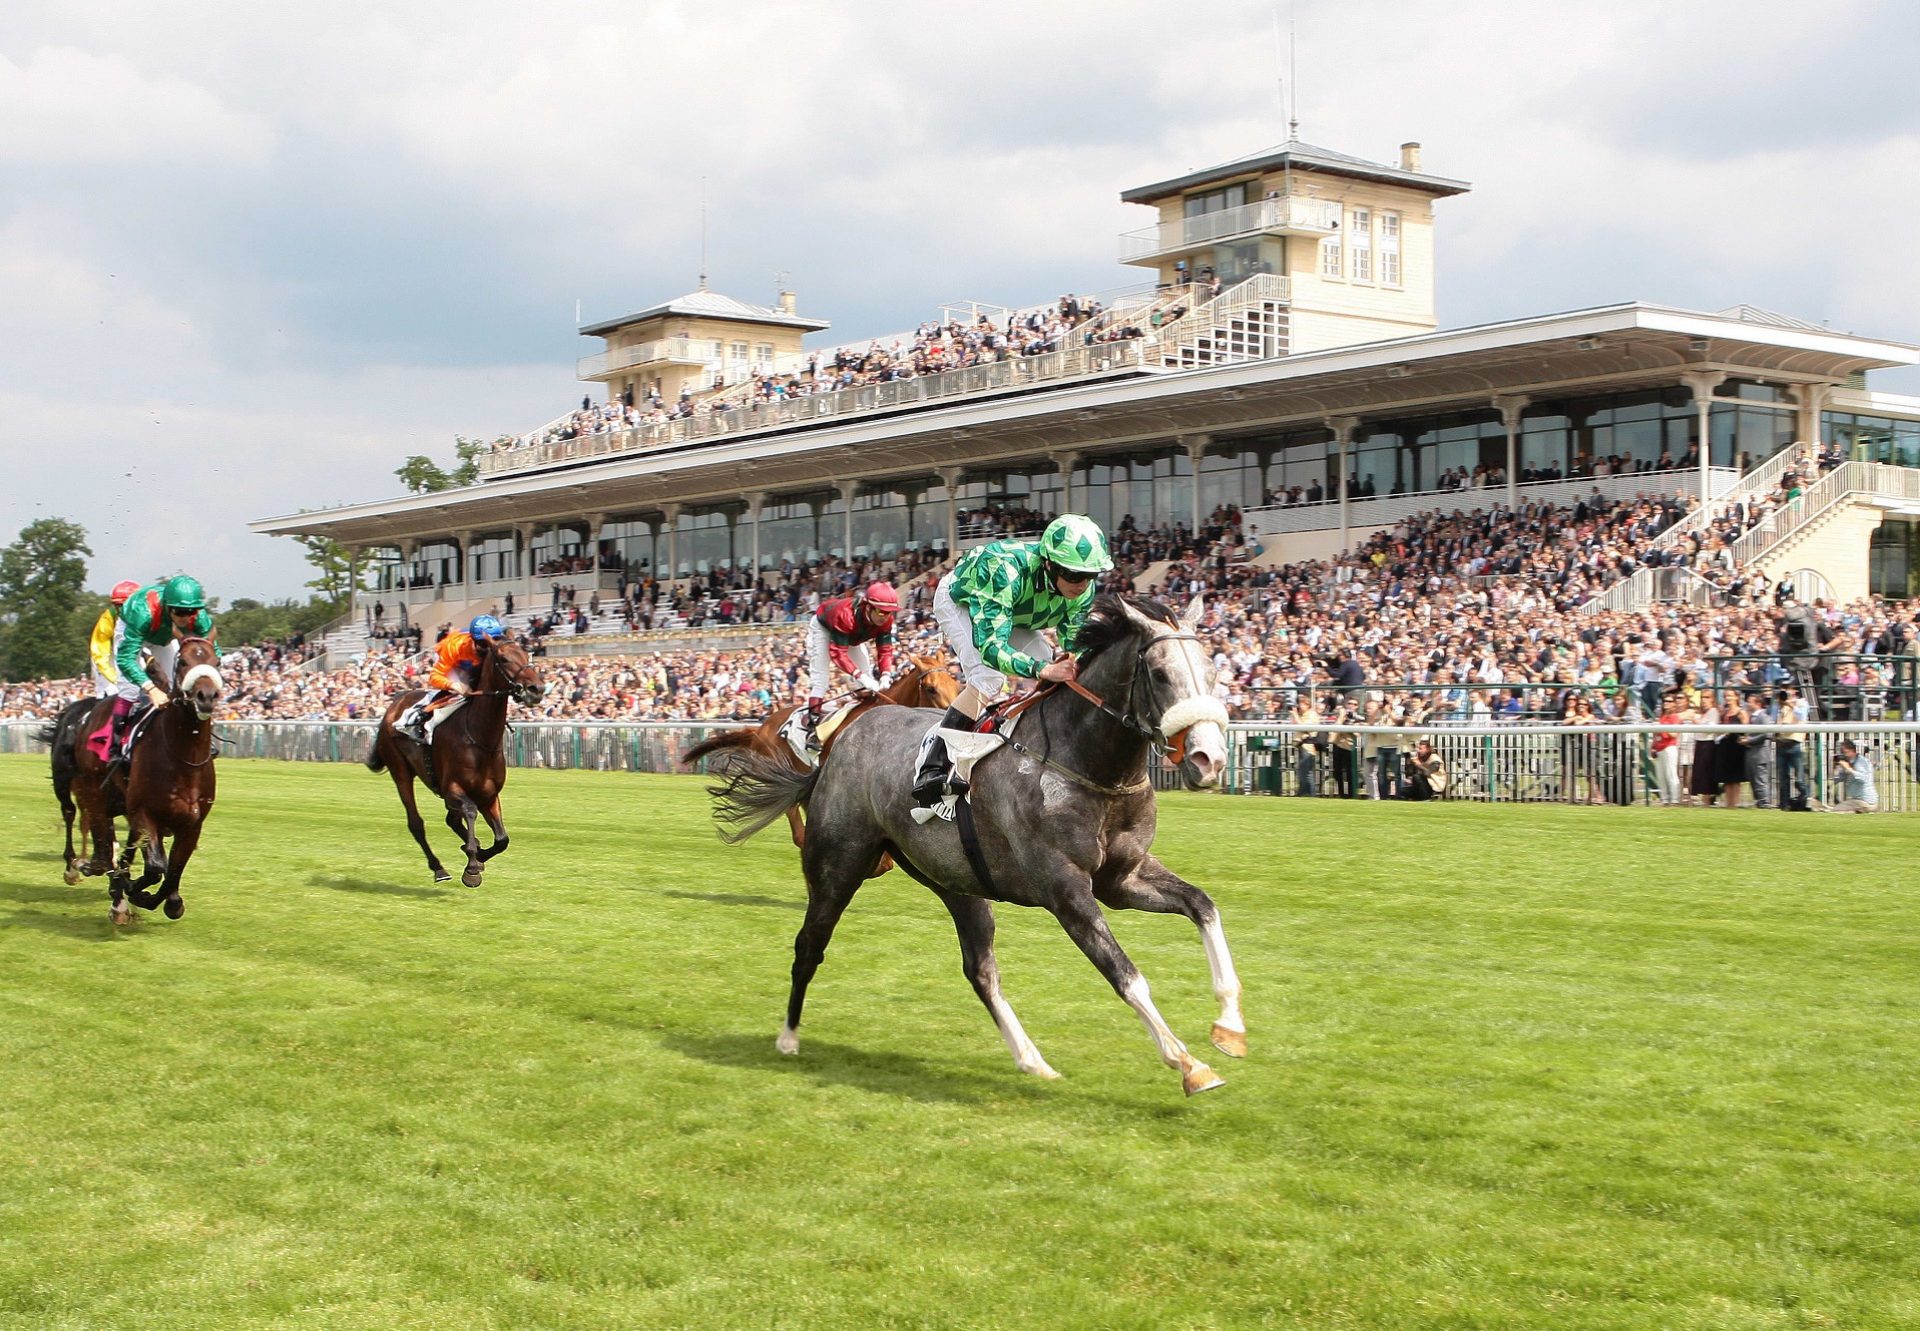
[45, 734]
[375, 762]
[753, 791]
[726, 739]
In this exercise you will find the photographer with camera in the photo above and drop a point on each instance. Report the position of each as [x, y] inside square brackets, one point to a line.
[1853, 773]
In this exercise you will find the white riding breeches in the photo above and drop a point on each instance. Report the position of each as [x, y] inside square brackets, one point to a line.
[955, 623]
[159, 669]
[820, 659]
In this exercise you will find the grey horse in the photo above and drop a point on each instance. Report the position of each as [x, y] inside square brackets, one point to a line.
[1064, 816]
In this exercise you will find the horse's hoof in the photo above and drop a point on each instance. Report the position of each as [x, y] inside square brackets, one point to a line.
[471, 878]
[1199, 1077]
[121, 915]
[1043, 1070]
[70, 877]
[174, 907]
[1231, 1043]
[442, 876]
[789, 1041]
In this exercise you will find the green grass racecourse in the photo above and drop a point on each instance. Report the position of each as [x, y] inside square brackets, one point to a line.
[1512, 1068]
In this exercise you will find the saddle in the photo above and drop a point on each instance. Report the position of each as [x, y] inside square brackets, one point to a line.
[794, 731]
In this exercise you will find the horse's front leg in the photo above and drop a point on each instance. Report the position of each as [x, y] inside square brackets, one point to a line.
[497, 826]
[1079, 914]
[184, 842]
[1152, 886]
[462, 813]
[120, 876]
[155, 854]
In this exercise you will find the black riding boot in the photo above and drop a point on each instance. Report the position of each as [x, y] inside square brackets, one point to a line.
[931, 781]
[122, 727]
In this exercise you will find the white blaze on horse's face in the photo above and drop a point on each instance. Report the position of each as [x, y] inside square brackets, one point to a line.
[1191, 706]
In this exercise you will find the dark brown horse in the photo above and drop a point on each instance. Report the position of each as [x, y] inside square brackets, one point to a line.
[468, 764]
[63, 736]
[927, 684]
[166, 787]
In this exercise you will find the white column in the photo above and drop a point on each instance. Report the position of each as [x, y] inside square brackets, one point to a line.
[1702, 383]
[1812, 400]
[353, 580]
[1196, 446]
[523, 533]
[1065, 463]
[756, 500]
[1510, 406]
[671, 513]
[950, 476]
[1343, 428]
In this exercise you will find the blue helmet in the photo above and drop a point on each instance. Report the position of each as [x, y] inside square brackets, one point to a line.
[486, 626]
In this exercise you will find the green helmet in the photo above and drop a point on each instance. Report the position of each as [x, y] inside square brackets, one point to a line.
[183, 593]
[1077, 543]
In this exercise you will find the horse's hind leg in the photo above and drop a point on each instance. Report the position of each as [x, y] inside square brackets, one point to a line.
[1080, 916]
[403, 782]
[832, 879]
[973, 919]
[799, 828]
[177, 855]
[1152, 886]
[496, 825]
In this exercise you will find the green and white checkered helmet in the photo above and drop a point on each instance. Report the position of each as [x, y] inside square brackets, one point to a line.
[1076, 543]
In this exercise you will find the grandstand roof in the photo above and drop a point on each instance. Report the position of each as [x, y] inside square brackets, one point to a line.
[1612, 346]
[705, 304]
[1306, 156]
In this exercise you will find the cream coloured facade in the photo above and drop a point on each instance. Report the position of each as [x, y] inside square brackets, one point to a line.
[693, 343]
[1354, 239]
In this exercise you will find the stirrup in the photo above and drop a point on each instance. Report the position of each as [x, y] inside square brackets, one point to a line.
[946, 808]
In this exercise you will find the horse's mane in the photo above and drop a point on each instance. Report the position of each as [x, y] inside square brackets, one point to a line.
[1107, 622]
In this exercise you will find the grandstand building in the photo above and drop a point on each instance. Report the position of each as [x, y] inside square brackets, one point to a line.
[1286, 348]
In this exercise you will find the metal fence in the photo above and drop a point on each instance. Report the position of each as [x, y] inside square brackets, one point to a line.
[1500, 763]
[1526, 762]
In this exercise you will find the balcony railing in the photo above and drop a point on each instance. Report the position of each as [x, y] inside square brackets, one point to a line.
[1054, 367]
[663, 351]
[1286, 215]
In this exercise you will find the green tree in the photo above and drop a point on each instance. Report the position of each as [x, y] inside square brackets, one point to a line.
[422, 475]
[43, 576]
[333, 576]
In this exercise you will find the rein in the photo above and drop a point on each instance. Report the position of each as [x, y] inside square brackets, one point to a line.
[1130, 720]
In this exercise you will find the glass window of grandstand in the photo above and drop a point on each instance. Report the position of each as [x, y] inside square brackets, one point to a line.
[1745, 437]
[1211, 201]
[436, 563]
[1283, 468]
[384, 569]
[883, 520]
[627, 544]
[736, 362]
[491, 558]
[1236, 263]
[1893, 559]
[1390, 249]
[1872, 438]
[560, 549]
[763, 357]
[1330, 257]
[1012, 501]
[790, 530]
[1457, 452]
[704, 540]
[1153, 489]
[1233, 476]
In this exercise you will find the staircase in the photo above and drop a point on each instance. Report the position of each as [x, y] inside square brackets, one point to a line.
[1828, 527]
[1248, 322]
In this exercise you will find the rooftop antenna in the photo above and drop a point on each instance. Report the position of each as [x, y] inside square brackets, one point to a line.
[703, 233]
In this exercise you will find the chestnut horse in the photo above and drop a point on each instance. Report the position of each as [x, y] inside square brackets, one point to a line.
[927, 684]
[468, 764]
[166, 787]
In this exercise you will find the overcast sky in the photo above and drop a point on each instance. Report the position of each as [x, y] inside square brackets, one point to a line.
[251, 255]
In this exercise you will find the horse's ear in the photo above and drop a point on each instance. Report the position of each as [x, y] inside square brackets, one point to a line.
[1196, 608]
[213, 635]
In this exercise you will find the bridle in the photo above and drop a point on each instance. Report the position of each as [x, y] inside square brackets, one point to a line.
[522, 690]
[1173, 747]
[184, 678]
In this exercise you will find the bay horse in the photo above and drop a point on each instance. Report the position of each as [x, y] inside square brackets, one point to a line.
[63, 735]
[468, 765]
[1064, 816]
[927, 684]
[166, 787]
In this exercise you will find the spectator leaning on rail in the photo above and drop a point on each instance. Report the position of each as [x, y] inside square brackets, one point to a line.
[154, 618]
[838, 635]
[991, 609]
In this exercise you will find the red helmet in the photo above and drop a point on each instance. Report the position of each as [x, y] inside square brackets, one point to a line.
[122, 590]
[881, 596]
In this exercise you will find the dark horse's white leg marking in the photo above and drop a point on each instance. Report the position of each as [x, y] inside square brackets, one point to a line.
[1152, 886]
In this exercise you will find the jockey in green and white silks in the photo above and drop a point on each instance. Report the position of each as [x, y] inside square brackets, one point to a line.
[991, 608]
